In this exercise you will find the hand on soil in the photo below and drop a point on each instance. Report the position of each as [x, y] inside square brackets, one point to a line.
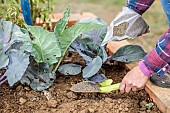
[134, 80]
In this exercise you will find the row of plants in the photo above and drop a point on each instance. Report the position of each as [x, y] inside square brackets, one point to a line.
[32, 55]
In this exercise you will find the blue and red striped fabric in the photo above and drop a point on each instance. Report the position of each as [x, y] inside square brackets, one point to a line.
[158, 60]
[139, 6]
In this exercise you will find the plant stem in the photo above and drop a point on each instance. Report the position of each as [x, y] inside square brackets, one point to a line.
[58, 64]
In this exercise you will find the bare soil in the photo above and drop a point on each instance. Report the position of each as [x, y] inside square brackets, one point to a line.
[59, 98]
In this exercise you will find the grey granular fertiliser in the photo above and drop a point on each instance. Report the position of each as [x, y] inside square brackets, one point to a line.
[85, 87]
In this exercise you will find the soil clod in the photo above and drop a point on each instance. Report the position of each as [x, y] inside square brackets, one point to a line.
[22, 101]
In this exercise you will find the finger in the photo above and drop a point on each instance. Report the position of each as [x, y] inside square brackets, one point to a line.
[122, 87]
[134, 89]
[128, 88]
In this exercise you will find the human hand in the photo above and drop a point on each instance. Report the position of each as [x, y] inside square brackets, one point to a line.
[134, 80]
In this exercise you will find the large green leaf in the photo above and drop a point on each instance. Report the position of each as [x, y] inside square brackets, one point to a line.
[70, 34]
[45, 45]
[61, 24]
[128, 53]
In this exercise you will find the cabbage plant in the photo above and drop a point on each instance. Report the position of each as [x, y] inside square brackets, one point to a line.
[28, 55]
[88, 45]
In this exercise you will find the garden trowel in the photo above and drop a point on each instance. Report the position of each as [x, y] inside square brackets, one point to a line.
[89, 87]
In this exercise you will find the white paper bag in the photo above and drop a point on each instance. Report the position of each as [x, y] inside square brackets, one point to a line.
[128, 24]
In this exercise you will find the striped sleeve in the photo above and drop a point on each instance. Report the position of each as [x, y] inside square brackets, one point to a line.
[139, 6]
[158, 60]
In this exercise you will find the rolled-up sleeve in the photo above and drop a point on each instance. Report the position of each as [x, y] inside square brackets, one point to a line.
[158, 60]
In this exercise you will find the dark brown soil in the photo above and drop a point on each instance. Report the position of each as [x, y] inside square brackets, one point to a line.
[59, 98]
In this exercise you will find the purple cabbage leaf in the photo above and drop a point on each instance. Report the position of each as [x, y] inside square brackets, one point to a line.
[88, 45]
[92, 68]
[70, 69]
[128, 53]
[97, 78]
[38, 76]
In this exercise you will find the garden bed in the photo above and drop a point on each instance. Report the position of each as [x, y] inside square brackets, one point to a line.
[59, 98]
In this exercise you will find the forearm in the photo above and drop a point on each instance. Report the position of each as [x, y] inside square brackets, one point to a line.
[158, 60]
[139, 6]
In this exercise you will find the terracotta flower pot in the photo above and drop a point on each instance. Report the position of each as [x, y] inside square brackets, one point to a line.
[74, 17]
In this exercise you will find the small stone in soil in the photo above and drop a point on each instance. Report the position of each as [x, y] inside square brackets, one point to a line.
[19, 88]
[148, 111]
[142, 112]
[71, 95]
[91, 110]
[119, 101]
[84, 111]
[108, 100]
[143, 103]
[75, 111]
[120, 109]
[126, 109]
[142, 109]
[36, 98]
[22, 101]
[27, 88]
[52, 103]
[53, 110]
[47, 94]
